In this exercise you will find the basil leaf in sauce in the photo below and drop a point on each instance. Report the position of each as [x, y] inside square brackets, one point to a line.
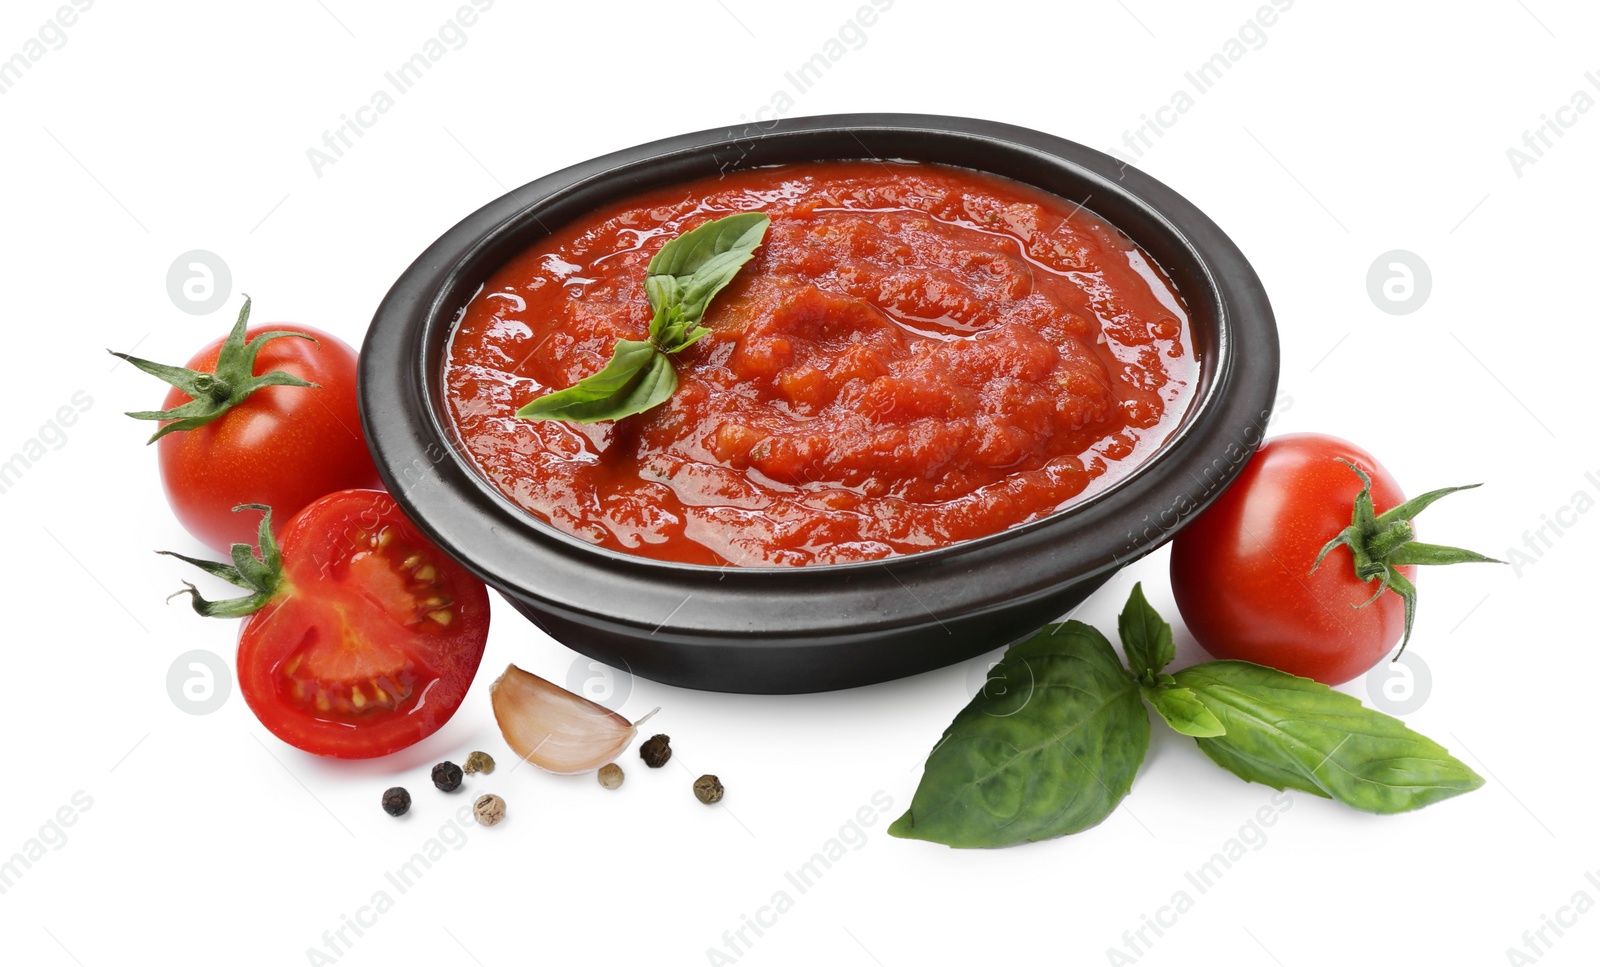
[680, 283]
[1049, 747]
[703, 261]
[1291, 732]
[671, 329]
[631, 382]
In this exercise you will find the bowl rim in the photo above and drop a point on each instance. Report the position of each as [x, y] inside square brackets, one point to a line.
[523, 556]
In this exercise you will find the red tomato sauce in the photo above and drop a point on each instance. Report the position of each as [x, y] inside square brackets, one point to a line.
[917, 355]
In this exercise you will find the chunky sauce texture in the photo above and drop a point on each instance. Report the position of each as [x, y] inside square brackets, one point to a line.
[917, 355]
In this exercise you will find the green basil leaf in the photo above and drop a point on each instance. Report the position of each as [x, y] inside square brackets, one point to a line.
[636, 378]
[683, 339]
[662, 293]
[1145, 637]
[1183, 711]
[1049, 747]
[703, 261]
[670, 331]
[1290, 732]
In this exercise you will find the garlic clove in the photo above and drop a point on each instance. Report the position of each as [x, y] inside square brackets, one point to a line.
[555, 729]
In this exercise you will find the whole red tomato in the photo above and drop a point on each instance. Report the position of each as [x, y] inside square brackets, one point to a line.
[1246, 574]
[361, 637]
[281, 445]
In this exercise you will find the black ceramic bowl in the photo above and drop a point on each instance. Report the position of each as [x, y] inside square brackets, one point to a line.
[825, 626]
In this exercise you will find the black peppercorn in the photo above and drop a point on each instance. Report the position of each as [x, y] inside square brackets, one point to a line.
[655, 751]
[447, 776]
[396, 801]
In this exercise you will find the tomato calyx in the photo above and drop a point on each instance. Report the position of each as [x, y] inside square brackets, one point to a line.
[258, 570]
[215, 393]
[1380, 543]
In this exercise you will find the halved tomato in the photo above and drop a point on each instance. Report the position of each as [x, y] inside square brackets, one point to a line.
[363, 637]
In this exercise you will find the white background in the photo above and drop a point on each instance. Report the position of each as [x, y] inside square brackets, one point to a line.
[1352, 130]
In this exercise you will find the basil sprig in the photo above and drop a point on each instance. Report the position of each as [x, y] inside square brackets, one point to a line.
[1052, 743]
[680, 283]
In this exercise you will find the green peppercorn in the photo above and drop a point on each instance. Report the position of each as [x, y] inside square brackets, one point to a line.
[447, 776]
[655, 751]
[708, 789]
[396, 801]
[478, 762]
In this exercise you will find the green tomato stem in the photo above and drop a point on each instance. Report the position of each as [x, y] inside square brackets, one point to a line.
[1381, 543]
[258, 570]
[214, 394]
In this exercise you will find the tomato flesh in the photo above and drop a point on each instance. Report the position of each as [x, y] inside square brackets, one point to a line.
[284, 446]
[375, 639]
[1241, 571]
